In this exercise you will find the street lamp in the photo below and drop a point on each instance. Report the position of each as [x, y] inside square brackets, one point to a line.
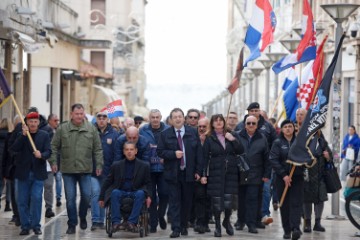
[267, 63]
[338, 12]
[256, 71]
[275, 57]
[290, 44]
[319, 29]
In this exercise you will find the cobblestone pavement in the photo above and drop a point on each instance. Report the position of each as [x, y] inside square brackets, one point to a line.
[55, 228]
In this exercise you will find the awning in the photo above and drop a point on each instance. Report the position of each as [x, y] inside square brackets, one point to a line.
[103, 96]
[88, 70]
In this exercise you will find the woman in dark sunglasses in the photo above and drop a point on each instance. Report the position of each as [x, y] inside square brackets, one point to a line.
[221, 173]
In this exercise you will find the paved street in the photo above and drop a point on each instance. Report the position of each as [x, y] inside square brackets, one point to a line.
[55, 228]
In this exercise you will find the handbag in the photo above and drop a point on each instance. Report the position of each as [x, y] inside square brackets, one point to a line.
[350, 153]
[331, 177]
[242, 164]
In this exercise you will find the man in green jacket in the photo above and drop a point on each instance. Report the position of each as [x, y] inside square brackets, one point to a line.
[78, 142]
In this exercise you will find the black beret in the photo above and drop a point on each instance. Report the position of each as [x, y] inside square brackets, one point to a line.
[253, 105]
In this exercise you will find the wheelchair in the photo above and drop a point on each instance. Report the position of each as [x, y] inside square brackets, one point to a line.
[125, 210]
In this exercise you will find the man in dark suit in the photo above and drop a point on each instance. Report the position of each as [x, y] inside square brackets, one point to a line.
[128, 178]
[181, 150]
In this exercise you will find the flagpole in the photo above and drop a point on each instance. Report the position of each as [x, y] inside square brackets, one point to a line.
[23, 122]
[286, 187]
[276, 103]
[228, 111]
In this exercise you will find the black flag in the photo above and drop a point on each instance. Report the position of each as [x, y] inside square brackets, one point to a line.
[299, 153]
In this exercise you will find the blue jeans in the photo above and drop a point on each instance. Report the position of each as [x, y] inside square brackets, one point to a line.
[97, 213]
[58, 184]
[70, 181]
[117, 195]
[30, 202]
[266, 198]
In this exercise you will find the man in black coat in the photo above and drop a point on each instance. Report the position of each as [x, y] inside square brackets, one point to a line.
[180, 147]
[257, 154]
[127, 178]
[30, 172]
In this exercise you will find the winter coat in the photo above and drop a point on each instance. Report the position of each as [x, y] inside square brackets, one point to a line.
[26, 159]
[315, 189]
[222, 165]
[108, 139]
[143, 147]
[279, 155]
[257, 157]
[146, 131]
[77, 146]
[3, 137]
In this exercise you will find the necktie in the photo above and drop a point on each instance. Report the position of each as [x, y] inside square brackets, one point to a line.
[182, 163]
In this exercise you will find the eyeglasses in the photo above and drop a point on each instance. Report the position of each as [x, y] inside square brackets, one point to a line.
[251, 123]
[101, 116]
[201, 126]
[192, 117]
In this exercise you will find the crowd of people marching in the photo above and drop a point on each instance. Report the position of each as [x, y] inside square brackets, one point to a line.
[191, 171]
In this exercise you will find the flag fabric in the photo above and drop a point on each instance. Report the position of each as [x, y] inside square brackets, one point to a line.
[114, 109]
[291, 76]
[289, 98]
[311, 78]
[235, 83]
[4, 89]
[315, 119]
[306, 50]
[260, 30]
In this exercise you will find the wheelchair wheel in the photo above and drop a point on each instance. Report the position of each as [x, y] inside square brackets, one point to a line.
[352, 208]
[108, 223]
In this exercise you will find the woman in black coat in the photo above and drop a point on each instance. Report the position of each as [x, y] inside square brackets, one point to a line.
[221, 172]
[291, 208]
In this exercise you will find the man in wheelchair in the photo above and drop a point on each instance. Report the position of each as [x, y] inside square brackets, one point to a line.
[129, 177]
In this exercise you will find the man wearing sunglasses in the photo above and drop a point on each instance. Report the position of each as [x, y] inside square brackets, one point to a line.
[192, 117]
[251, 182]
[266, 129]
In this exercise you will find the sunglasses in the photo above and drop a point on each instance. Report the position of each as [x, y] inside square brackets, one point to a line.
[101, 116]
[192, 117]
[251, 123]
[138, 123]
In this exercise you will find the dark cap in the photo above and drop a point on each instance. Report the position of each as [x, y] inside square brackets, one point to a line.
[253, 105]
[286, 121]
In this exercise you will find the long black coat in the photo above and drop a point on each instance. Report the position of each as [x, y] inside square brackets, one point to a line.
[315, 189]
[257, 156]
[168, 144]
[115, 179]
[223, 174]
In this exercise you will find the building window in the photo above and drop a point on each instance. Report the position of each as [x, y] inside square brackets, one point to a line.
[98, 59]
[351, 98]
[98, 12]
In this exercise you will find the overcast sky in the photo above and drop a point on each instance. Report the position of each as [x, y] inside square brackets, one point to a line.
[185, 58]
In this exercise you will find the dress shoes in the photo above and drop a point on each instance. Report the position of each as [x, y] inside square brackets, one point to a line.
[296, 234]
[260, 225]
[253, 230]
[184, 232]
[24, 232]
[175, 234]
[83, 224]
[70, 230]
[162, 223]
[49, 213]
[287, 235]
[37, 231]
[240, 226]
[131, 227]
